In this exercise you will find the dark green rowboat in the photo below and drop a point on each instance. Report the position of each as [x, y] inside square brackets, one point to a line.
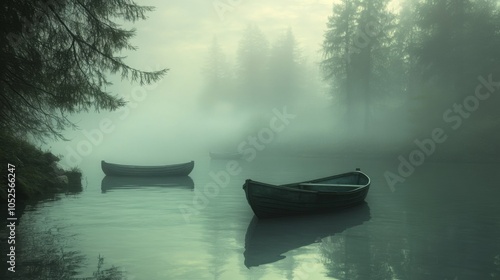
[314, 196]
[112, 169]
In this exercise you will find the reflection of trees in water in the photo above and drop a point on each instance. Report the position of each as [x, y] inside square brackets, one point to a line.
[453, 232]
[339, 260]
[301, 265]
[496, 273]
[44, 253]
[217, 253]
[353, 256]
[222, 226]
[220, 240]
[370, 252]
[403, 254]
[112, 273]
[331, 249]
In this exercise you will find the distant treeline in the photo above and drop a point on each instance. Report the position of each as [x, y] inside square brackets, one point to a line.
[264, 75]
[415, 61]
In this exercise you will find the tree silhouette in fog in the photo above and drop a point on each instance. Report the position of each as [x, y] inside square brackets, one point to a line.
[219, 79]
[416, 62]
[285, 77]
[56, 56]
[265, 75]
[458, 41]
[251, 66]
[355, 51]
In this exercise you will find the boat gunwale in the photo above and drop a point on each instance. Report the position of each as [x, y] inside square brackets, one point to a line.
[288, 188]
[182, 165]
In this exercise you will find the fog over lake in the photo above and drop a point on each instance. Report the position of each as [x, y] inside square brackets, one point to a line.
[406, 90]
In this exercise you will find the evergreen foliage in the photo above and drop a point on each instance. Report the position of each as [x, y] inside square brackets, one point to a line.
[55, 58]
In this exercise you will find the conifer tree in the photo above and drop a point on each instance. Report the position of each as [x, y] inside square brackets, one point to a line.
[56, 57]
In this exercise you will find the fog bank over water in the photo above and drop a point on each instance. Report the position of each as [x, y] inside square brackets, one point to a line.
[232, 64]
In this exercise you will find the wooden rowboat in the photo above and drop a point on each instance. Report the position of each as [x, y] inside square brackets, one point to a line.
[314, 196]
[217, 155]
[112, 169]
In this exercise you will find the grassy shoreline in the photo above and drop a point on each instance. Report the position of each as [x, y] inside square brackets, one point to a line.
[37, 173]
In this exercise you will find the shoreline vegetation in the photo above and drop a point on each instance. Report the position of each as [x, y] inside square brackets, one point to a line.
[37, 177]
[37, 173]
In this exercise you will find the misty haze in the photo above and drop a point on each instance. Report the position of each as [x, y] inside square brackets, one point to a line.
[183, 122]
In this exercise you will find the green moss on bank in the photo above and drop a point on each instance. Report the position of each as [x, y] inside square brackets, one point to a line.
[35, 171]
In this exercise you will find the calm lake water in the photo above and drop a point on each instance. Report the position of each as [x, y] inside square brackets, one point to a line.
[441, 223]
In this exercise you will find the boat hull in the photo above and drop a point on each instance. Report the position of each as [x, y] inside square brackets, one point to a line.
[315, 196]
[182, 169]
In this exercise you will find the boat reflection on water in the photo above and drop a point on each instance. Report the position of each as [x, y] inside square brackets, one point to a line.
[267, 240]
[119, 182]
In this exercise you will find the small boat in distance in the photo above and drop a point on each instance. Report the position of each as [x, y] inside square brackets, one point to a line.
[217, 155]
[314, 196]
[181, 169]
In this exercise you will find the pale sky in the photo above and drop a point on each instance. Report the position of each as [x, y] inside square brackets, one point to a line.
[180, 32]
